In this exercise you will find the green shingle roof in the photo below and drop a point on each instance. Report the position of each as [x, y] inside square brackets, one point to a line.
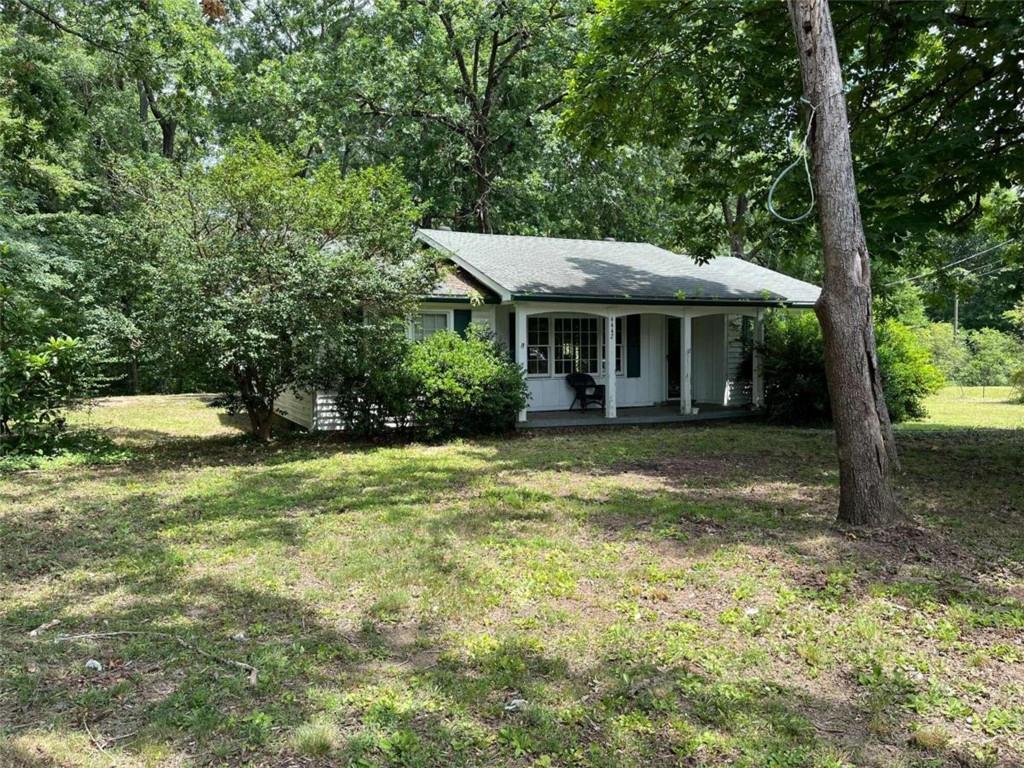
[524, 267]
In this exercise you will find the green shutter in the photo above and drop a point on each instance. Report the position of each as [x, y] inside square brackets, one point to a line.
[462, 320]
[632, 346]
[512, 335]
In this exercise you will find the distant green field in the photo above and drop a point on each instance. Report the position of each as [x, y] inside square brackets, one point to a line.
[989, 407]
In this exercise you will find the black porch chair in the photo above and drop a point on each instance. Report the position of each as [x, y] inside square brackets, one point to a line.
[586, 390]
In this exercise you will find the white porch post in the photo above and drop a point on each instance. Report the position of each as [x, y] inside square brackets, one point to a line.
[685, 363]
[521, 341]
[756, 367]
[609, 364]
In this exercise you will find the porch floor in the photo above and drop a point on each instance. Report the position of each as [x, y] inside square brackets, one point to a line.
[651, 414]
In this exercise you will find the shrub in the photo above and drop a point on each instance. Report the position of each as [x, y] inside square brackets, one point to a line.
[375, 387]
[1017, 382]
[981, 357]
[949, 353]
[908, 375]
[37, 386]
[994, 356]
[464, 386]
[266, 263]
[796, 390]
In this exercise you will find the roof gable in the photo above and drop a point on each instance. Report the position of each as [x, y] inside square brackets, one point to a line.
[459, 285]
[525, 267]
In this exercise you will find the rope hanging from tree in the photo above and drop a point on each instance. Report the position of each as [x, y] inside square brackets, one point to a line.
[807, 170]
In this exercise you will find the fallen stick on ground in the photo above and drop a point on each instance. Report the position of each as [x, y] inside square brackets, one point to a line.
[43, 627]
[251, 671]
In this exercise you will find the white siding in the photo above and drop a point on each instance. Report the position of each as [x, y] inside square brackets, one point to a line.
[296, 405]
[717, 357]
[484, 316]
[502, 315]
[709, 359]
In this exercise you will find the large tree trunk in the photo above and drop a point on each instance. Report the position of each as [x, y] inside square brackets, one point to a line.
[168, 126]
[133, 372]
[864, 436]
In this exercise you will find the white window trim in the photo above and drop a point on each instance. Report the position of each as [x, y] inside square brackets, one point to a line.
[601, 356]
[449, 315]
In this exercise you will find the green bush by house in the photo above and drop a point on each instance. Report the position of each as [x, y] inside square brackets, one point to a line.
[464, 386]
[796, 390]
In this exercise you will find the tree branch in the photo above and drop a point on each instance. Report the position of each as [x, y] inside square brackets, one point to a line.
[51, 19]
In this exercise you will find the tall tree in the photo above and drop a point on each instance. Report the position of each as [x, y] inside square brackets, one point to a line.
[267, 266]
[476, 75]
[867, 450]
[929, 151]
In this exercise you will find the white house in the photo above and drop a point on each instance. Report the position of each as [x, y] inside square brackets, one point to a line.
[677, 339]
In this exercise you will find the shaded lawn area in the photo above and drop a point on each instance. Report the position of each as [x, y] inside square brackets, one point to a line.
[626, 597]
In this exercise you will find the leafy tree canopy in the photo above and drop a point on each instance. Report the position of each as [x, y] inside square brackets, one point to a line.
[933, 90]
[267, 266]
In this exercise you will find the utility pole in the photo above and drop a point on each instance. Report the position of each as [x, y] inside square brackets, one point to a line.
[956, 312]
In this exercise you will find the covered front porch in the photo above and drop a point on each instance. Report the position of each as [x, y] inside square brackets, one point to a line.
[630, 415]
[651, 363]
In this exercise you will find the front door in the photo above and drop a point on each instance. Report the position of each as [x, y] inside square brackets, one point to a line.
[672, 358]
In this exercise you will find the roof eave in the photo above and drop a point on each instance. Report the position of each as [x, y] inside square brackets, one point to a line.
[483, 299]
[569, 298]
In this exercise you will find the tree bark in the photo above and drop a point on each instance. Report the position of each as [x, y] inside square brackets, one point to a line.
[261, 420]
[261, 415]
[168, 126]
[864, 437]
[482, 187]
[737, 223]
[133, 372]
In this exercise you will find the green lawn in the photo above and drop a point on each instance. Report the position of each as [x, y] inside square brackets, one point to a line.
[988, 407]
[628, 597]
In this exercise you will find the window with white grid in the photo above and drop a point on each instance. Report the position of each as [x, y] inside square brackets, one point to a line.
[577, 345]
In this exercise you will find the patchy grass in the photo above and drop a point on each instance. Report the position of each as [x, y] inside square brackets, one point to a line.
[973, 407]
[655, 597]
[113, 429]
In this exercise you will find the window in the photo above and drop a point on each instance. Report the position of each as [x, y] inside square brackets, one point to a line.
[426, 324]
[576, 345]
[563, 345]
[538, 345]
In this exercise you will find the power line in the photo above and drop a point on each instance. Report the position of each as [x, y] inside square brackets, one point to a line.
[979, 267]
[951, 264]
[1003, 268]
